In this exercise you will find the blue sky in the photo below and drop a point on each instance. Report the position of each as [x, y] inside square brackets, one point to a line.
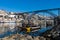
[28, 5]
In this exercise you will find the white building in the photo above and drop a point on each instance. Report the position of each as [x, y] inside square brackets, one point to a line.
[2, 14]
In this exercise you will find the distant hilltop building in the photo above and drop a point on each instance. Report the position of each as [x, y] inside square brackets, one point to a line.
[3, 13]
[10, 16]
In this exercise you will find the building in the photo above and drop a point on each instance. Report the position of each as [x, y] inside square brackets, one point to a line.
[2, 15]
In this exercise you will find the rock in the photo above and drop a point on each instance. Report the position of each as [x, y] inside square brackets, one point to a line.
[23, 37]
[29, 37]
[42, 38]
[36, 38]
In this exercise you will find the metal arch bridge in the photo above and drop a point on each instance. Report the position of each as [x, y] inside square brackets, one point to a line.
[46, 11]
[37, 33]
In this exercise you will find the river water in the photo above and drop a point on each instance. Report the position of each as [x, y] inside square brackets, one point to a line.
[8, 26]
[7, 29]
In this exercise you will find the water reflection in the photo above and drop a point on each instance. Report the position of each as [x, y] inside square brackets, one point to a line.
[8, 26]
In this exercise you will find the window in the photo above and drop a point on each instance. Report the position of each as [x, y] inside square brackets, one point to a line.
[1, 15]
